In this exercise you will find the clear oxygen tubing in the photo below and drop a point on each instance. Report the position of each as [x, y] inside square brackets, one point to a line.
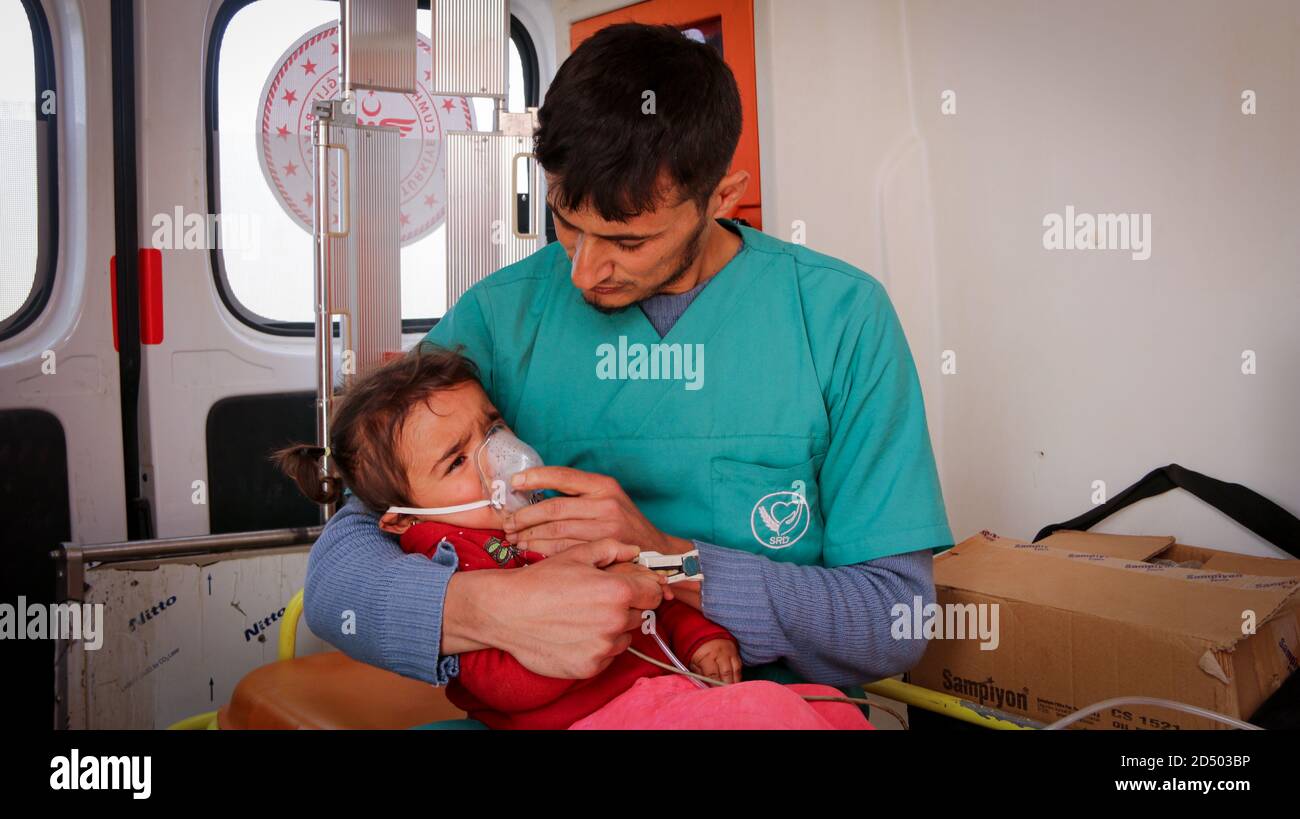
[668, 652]
[1177, 706]
[1055, 726]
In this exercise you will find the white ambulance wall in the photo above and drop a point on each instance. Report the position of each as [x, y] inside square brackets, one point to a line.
[76, 325]
[1072, 366]
[213, 624]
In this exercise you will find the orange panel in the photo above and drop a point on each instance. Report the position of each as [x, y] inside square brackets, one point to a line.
[737, 18]
[331, 691]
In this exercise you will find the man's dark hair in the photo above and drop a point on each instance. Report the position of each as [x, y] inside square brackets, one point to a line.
[607, 153]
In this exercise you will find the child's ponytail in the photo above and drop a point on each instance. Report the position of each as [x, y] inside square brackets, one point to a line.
[301, 462]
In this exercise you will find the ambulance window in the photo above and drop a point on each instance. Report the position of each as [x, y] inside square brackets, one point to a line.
[269, 59]
[28, 106]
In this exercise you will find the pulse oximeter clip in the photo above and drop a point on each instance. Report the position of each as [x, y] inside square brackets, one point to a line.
[685, 566]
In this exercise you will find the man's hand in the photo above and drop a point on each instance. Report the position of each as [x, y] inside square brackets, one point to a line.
[597, 508]
[638, 570]
[562, 617]
[718, 660]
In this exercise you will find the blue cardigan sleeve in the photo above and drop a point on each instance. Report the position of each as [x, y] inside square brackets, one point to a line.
[374, 602]
[830, 625]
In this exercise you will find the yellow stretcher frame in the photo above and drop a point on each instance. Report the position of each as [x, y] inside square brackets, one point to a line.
[950, 706]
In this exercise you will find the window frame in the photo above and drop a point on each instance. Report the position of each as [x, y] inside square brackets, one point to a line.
[47, 178]
[225, 13]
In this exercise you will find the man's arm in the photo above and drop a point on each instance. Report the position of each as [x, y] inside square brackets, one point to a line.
[882, 510]
[413, 613]
[375, 603]
[831, 625]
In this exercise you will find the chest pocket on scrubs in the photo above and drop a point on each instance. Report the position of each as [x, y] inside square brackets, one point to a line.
[773, 511]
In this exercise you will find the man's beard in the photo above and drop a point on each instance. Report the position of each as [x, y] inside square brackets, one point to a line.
[609, 311]
[690, 252]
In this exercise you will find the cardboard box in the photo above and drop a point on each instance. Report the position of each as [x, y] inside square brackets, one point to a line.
[1084, 617]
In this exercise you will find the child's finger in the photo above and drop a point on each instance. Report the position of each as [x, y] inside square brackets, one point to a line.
[718, 672]
[737, 667]
[725, 672]
[708, 667]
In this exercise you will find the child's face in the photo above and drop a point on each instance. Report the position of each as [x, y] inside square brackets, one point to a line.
[437, 443]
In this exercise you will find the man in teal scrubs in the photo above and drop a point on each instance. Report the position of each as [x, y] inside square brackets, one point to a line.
[802, 402]
[703, 385]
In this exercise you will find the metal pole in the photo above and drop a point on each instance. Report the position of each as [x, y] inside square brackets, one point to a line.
[71, 580]
[345, 66]
[324, 322]
[73, 557]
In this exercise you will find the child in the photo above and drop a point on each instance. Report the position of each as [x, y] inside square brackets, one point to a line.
[417, 434]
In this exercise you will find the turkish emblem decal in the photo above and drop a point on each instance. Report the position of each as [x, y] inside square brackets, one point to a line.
[309, 71]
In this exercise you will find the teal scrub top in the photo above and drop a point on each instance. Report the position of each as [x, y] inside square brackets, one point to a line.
[781, 415]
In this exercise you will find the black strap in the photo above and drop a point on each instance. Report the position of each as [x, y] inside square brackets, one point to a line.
[1251, 509]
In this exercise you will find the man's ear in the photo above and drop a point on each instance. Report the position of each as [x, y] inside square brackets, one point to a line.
[729, 193]
[395, 523]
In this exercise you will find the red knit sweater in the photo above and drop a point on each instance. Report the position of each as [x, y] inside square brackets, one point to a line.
[494, 688]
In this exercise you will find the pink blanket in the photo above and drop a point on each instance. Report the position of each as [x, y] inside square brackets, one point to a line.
[674, 702]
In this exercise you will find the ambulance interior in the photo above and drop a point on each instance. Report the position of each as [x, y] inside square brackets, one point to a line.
[166, 319]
